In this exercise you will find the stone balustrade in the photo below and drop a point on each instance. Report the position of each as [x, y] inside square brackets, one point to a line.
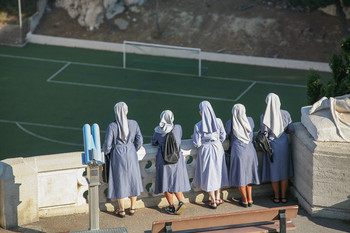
[52, 185]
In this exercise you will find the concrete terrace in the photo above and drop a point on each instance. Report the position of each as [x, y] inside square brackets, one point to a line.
[142, 220]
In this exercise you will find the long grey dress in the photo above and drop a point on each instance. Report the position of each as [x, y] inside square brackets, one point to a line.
[170, 177]
[211, 171]
[124, 170]
[282, 167]
[244, 161]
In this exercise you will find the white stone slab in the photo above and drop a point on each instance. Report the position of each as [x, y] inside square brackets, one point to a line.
[320, 125]
[58, 188]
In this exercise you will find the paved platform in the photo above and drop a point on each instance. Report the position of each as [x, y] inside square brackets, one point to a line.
[142, 220]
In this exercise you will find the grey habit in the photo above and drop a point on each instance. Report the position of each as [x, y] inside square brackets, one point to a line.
[122, 141]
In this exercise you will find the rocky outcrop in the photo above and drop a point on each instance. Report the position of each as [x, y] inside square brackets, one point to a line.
[91, 13]
[332, 10]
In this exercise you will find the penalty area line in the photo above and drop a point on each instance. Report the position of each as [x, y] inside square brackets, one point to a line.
[143, 91]
[59, 71]
[152, 71]
[245, 91]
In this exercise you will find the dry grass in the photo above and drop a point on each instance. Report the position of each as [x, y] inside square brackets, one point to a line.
[5, 19]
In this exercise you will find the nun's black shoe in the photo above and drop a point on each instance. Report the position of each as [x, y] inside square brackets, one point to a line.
[245, 205]
[132, 212]
[121, 214]
[275, 199]
[213, 205]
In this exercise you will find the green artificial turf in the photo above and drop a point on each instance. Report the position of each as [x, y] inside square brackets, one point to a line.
[47, 94]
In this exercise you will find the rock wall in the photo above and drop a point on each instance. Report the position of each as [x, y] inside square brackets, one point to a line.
[91, 13]
[332, 10]
[35, 18]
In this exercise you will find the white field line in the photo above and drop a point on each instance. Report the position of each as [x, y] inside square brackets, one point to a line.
[33, 58]
[246, 90]
[59, 71]
[45, 138]
[19, 123]
[218, 57]
[41, 125]
[143, 91]
[151, 71]
[221, 78]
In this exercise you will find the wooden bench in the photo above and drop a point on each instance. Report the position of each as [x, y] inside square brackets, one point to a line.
[263, 220]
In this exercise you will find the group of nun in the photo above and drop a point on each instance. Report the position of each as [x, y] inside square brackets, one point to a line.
[123, 139]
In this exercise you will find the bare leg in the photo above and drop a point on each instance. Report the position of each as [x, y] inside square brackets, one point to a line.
[217, 194]
[243, 191]
[121, 210]
[179, 196]
[181, 207]
[133, 202]
[212, 197]
[219, 201]
[284, 186]
[276, 190]
[249, 193]
[169, 198]
[121, 204]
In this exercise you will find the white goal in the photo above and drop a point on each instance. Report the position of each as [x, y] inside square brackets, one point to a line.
[162, 57]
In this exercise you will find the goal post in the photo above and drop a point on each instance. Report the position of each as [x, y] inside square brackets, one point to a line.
[180, 58]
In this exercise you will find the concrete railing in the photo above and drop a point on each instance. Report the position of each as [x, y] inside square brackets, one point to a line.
[52, 185]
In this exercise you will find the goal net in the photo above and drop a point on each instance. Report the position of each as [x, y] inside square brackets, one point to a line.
[156, 57]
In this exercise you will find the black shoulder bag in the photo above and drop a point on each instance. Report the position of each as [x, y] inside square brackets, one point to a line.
[228, 151]
[263, 143]
[171, 152]
[105, 173]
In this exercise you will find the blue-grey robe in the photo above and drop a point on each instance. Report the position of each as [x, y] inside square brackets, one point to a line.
[124, 170]
[244, 161]
[282, 167]
[211, 171]
[170, 177]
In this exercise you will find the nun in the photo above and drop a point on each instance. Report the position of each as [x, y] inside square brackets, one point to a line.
[244, 162]
[171, 179]
[276, 124]
[211, 170]
[123, 139]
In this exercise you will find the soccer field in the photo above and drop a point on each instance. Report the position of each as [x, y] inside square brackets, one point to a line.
[48, 93]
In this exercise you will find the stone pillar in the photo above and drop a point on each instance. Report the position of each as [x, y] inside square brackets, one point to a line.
[8, 198]
[18, 196]
[321, 175]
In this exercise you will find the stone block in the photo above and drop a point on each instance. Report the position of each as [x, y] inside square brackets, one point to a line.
[322, 175]
[60, 187]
